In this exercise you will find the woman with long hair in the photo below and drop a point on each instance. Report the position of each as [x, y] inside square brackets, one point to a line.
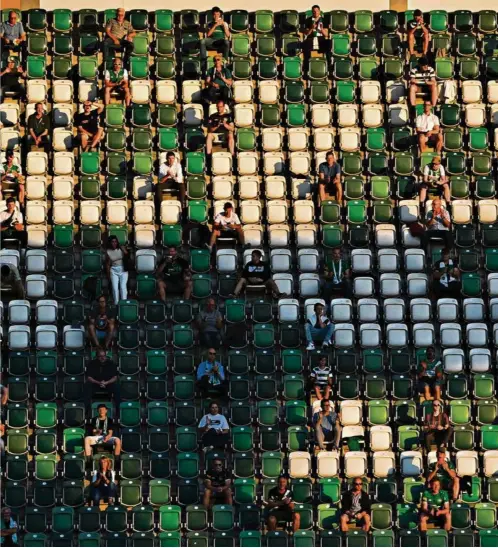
[116, 272]
[104, 484]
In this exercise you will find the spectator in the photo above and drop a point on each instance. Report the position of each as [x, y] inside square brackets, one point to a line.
[104, 484]
[428, 130]
[210, 324]
[2, 442]
[173, 274]
[220, 122]
[281, 506]
[257, 272]
[437, 427]
[102, 376]
[316, 33]
[446, 277]
[12, 223]
[217, 485]
[102, 433]
[8, 532]
[214, 428]
[211, 376]
[89, 130]
[10, 79]
[355, 506]
[218, 83]
[115, 266]
[438, 225]
[119, 34]
[435, 507]
[102, 324]
[443, 470]
[318, 328]
[117, 80]
[10, 280]
[430, 375]
[12, 182]
[4, 394]
[417, 25]
[170, 178]
[321, 377]
[227, 225]
[12, 34]
[435, 179]
[217, 35]
[39, 127]
[328, 428]
[337, 273]
[423, 77]
[329, 174]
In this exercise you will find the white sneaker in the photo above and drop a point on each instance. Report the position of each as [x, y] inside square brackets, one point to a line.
[325, 344]
[311, 346]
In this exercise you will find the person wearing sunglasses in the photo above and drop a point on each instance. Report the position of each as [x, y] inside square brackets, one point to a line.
[437, 427]
[218, 485]
[211, 376]
[355, 505]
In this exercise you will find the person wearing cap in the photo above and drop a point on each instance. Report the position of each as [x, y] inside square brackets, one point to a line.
[218, 82]
[89, 130]
[12, 33]
[10, 76]
[217, 35]
[116, 80]
[12, 223]
[428, 129]
[11, 179]
[423, 76]
[435, 179]
[119, 35]
[39, 128]
[227, 225]
[417, 25]
[102, 433]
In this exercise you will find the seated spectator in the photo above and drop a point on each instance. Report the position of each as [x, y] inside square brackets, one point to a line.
[438, 225]
[437, 427]
[321, 378]
[2, 441]
[318, 328]
[435, 179]
[102, 376]
[337, 273]
[12, 35]
[104, 483]
[227, 225]
[173, 274]
[220, 122]
[430, 375]
[10, 76]
[4, 394]
[213, 428]
[217, 485]
[12, 182]
[8, 531]
[443, 470]
[116, 80]
[102, 324]
[446, 277]
[257, 272]
[316, 34]
[218, 82]
[217, 36]
[89, 130]
[329, 175]
[355, 506]
[327, 427]
[39, 127]
[428, 130]
[211, 376]
[10, 280]
[210, 323]
[119, 35]
[12, 224]
[170, 178]
[417, 26]
[115, 266]
[435, 507]
[281, 506]
[102, 433]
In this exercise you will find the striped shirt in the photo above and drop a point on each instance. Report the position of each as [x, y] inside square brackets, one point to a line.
[420, 74]
[321, 376]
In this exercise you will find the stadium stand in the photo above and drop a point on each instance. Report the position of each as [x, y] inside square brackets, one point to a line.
[405, 334]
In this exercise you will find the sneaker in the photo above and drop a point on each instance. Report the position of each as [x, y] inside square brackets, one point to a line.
[311, 346]
[325, 344]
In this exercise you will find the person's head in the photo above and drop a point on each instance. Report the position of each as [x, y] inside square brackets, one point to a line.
[437, 407]
[427, 107]
[9, 156]
[436, 204]
[172, 251]
[216, 13]
[322, 362]
[11, 64]
[435, 486]
[220, 107]
[12, 17]
[101, 356]
[445, 254]
[113, 242]
[441, 456]
[423, 63]
[214, 409]
[336, 253]
[357, 484]
[217, 465]
[282, 483]
[11, 204]
[102, 302]
[211, 355]
[228, 208]
[325, 405]
[6, 513]
[430, 352]
[330, 157]
[87, 106]
[117, 64]
[256, 256]
[210, 304]
[39, 108]
[417, 15]
[315, 10]
[105, 463]
[170, 158]
[318, 308]
[436, 162]
[102, 410]
[120, 14]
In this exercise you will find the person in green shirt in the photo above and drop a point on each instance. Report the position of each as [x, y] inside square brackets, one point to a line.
[444, 470]
[11, 178]
[435, 507]
[430, 374]
[217, 35]
[218, 82]
[337, 274]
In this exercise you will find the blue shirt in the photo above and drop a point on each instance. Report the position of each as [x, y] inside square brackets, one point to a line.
[330, 172]
[206, 368]
[12, 32]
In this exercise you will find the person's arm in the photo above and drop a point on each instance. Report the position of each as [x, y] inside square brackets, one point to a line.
[212, 28]
[207, 483]
[433, 474]
[179, 173]
[5, 395]
[109, 34]
[229, 126]
[226, 30]
[219, 321]
[425, 505]
[201, 371]
[221, 373]
[446, 219]
[434, 130]
[31, 128]
[131, 33]
[310, 27]
[228, 80]
[109, 435]
[225, 427]
[445, 510]
[111, 380]
[108, 265]
[449, 470]
[208, 80]
[431, 221]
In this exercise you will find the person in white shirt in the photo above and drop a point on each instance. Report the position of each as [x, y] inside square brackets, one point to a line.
[227, 224]
[438, 225]
[423, 78]
[214, 428]
[428, 129]
[435, 178]
[117, 80]
[318, 328]
[12, 223]
[170, 178]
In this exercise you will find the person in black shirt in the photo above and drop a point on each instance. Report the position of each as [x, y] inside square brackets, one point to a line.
[8, 528]
[102, 433]
[89, 130]
[173, 274]
[220, 122]
[101, 324]
[256, 272]
[281, 506]
[39, 128]
[218, 82]
[102, 375]
[10, 79]
[104, 484]
[217, 485]
[355, 506]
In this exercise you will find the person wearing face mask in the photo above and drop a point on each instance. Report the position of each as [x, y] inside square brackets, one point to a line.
[437, 428]
[355, 507]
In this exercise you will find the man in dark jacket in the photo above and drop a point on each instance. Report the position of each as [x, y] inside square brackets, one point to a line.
[355, 505]
[256, 272]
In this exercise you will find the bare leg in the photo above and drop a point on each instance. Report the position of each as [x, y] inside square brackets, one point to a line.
[188, 290]
[413, 94]
[215, 234]
[107, 96]
[455, 488]
[97, 138]
[231, 144]
[366, 526]
[117, 447]
[209, 143]
[93, 335]
[427, 39]
[127, 97]
[84, 142]
[296, 522]
[344, 523]
[423, 523]
[411, 42]
[161, 288]
[272, 523]
[433, 87]
[338, 192]
[240, 286]
[206, 500]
